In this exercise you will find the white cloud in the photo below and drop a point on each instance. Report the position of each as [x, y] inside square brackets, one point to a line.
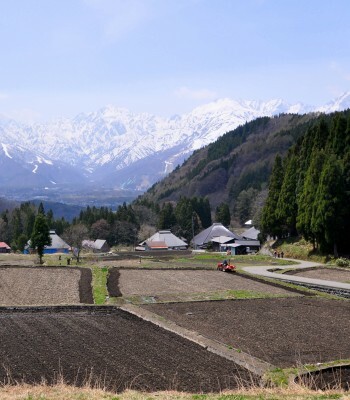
[200, 94]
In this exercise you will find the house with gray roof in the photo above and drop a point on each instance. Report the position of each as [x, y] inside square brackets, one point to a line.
[214, 231]
[251, 233]
[58, 245]
[164, 239]
[97, 246]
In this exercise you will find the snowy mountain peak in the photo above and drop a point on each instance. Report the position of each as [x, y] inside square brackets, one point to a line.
[117, 147]
[339, 104]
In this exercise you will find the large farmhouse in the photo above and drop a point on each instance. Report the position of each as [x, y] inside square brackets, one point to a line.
[222, 239]
[58, 245]
[163, 240]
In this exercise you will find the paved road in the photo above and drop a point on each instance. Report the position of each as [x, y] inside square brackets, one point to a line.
[264, 271]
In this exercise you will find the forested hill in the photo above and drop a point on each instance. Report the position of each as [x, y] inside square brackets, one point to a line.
[236, 168]
[309, 191]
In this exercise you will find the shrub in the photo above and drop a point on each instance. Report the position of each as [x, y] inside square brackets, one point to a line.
[342, 262]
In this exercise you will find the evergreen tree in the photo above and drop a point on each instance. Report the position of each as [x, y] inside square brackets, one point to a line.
[270, 224]
[328, 218]
[286, 210]
[187, 219]
[245, 203]
[339, 135]
[202, 208]
[41, 209]
[222, 214]
[40, 235]
[307, 198]
[167, 217]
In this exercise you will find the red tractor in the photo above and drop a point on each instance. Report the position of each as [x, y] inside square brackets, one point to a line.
[226, 266]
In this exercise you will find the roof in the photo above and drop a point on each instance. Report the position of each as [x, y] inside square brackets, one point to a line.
[251, 233]
[222, 239]
[57, 242]
[88, 243]
[214, 231]
[96, 245]
[168, 238]
[4, 245]
[249, 222]
[99, 243]
[248, 242]
[233, 245]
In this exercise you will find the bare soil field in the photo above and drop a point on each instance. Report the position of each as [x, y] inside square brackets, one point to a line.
[333, 377]
[109, 347]
[44, 286]
[330, 274]
[283, 331]
[172, 285]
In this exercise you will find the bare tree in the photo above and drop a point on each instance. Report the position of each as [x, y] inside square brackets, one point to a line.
[74, 236]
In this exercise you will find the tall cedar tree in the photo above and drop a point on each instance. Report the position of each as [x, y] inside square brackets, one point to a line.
[328, 218]
[223, 214]
[40, 235]
[286, 209]
[270, 224]
[320, 171]
[307, 198]
[166, 219]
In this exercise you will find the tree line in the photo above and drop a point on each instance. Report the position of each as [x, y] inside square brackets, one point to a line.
[127, 225]
[309, 190]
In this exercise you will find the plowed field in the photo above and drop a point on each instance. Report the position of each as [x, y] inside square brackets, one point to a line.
[283, 331]
[109, 347]
[330, 274]
[164, 284]
[44, 286]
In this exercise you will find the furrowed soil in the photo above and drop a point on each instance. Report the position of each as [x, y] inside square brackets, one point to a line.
[285, 332]
[107, 347]
[167, 284]
[20, 286]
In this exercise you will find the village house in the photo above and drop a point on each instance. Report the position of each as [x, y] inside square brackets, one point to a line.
[4, 248]
[163, 240]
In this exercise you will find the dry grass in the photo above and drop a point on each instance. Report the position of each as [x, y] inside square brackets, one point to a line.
[64, 392]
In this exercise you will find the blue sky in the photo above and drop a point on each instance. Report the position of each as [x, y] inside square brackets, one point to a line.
[62, 57]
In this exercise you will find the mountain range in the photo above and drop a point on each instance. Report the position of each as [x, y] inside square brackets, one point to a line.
[114, 150]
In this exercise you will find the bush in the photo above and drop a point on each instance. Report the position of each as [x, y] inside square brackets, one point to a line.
[342, 262]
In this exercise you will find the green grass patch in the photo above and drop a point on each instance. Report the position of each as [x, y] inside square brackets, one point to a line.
[210, 261]
[301, 249]
[202, 296]
[99, 284]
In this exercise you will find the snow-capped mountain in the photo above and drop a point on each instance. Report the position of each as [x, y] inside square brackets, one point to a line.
[339, 104]
[117, 148]
[22, 168]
